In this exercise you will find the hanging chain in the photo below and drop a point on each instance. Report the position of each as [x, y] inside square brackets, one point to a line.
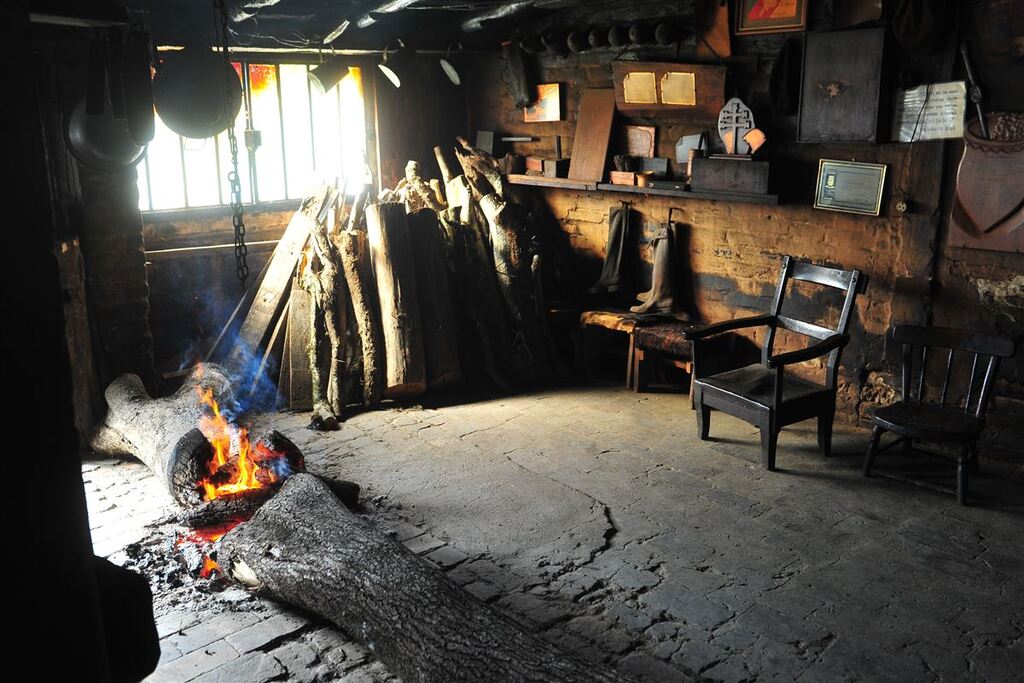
[234, 181]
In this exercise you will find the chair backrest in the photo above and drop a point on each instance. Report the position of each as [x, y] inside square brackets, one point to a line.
[850, 281]
[985, 351]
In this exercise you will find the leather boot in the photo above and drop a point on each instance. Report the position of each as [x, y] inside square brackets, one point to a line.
[661, 297]
[613, 276]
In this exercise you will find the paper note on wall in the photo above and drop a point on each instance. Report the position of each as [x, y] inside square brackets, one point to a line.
[639, 87]
[678, 87]
[930, 112]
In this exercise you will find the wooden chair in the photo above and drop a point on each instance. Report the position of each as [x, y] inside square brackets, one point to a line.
[914, 418]
[763, 393]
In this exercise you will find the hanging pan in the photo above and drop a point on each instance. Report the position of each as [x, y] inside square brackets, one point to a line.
[100, 141]
[192, 90]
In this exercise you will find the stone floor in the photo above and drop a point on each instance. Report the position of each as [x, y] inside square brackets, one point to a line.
[597, 516]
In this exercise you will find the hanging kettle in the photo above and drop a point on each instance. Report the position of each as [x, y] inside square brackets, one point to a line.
[196, 94]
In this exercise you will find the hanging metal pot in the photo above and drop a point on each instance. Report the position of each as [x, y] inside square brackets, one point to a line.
[192, 90]
[100, 141]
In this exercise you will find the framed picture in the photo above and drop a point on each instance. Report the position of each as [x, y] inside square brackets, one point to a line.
[548, 106]
[849, 186]
[770, 16]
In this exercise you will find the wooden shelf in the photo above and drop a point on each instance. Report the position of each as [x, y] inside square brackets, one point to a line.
[691, 194]
[586, 186]
[544, 181]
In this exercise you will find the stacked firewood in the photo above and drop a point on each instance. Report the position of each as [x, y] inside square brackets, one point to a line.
[364, 301]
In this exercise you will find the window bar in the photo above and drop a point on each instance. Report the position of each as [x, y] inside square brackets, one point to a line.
[280, 123]
[149, 180]
[184, 175]
[312, 128]
[220, 181]
[247, 95]
[341, 133]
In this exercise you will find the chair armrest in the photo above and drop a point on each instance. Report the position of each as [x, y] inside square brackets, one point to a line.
[704, 331]
[827, 345]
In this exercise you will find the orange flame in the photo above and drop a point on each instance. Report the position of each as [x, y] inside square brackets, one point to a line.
[209, 567]
[235, 466]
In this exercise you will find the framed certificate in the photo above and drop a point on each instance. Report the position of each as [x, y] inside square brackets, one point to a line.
[850, 186]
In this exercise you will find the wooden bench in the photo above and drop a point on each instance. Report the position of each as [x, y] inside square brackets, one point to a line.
[663, 342]
[661, 337]
[612, 320]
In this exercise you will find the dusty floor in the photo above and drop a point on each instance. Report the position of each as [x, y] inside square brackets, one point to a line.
[596, 515]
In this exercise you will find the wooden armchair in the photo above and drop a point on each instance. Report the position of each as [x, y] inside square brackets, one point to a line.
[763, 393]
[913, 418]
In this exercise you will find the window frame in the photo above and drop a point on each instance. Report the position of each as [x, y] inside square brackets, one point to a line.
[364, 62]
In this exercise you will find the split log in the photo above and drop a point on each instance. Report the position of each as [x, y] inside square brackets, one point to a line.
[163, 432]
[362, 290]
[513, 263]
[304, 548]
[440, 345]
[395, 273]
[326, 349]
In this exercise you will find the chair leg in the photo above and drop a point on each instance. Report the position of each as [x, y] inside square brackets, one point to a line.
[975, 464]
[825, 421]
[869, 457]
[631, 364]
[769, 441]
[962, 466]
[703, 417]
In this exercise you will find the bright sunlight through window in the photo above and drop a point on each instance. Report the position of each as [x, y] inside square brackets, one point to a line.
[306, 137]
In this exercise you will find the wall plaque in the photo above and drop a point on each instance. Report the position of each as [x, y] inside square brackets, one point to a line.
[639, 88]
[678, 87]
[850, 186]
[929, 112]
[548, 106]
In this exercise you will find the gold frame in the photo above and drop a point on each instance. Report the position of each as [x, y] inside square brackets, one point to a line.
[837, 163]
[799, 25]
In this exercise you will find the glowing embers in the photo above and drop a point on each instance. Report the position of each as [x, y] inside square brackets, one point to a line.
[237, 465]
[197, 548]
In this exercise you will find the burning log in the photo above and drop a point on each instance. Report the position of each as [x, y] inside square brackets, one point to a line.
[395, 272]
[209, 466]
[304, 548]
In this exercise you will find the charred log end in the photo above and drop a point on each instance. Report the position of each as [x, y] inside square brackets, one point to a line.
[187, 466]
[279, 443]
[226, 508]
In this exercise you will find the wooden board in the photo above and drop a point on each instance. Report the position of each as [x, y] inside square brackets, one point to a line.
[300, 386]
[266, 306]
[284, 376]
[712, 24]
[593, 131]
[842, 89]
[708, 85]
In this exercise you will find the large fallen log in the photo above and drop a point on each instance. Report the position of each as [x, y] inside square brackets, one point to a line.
[164, 433]
[395, 273]
[304, 548]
